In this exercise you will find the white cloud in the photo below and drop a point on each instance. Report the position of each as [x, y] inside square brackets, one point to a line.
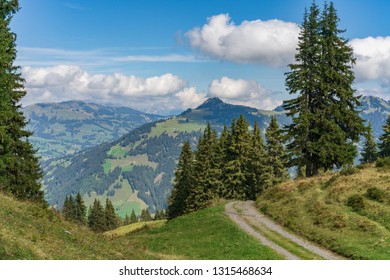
[162, 94]
[243, 92]
[373, 58]
[271, 42]
[190, 98]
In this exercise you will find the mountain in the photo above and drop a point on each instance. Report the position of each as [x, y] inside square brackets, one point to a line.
[375, 110]
[68, 127]
[136, 171]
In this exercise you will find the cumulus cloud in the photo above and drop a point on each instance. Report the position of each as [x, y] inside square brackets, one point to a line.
[243, 92]
[373, 58]
[271, 42]
[190, 98]
[162, 94]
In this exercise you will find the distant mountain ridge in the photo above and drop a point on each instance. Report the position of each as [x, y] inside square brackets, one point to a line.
[136, 171]
[71, 126]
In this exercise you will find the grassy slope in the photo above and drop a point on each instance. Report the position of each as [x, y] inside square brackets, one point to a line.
[30, 232]
[205, 234]
[317, 208]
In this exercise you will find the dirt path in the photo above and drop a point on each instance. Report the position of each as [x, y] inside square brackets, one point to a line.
[238, 211]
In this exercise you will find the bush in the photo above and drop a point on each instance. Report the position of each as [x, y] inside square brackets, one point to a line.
[356, 202]
[349, 171]
[383, 162]
[375, 194]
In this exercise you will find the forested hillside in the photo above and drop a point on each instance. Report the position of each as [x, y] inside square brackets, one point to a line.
[68, 127]
[137, 170]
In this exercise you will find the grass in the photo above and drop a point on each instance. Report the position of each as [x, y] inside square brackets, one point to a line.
[127, 163]
[317, 208]
[123, 230]
[205, 234]
[285, 243]
[117, 152]
[176, 125]
[28, 231]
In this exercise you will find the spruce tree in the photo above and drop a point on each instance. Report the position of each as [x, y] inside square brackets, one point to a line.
[236, 169]
[145, 216]
[204, 189]
[325, 123]
[276, 154]
[133, 217]
[80, 210]
[369, 153]
[69, 208]
[222, 151]
[384, 145]
[260, 172]
[96, 217]
[126, 221]
[182, 184]
[110, 218]
[19, 168]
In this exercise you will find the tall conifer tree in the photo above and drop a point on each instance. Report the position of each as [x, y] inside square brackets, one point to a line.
[96, 217]
[236, 169]
[204, 181]
[370, 152]
[260, 172]
[276, 154]
[133, 217]
[80, 209]
[19, 168]
[325, 123]
[384, 145]
[110, 218]
[183, 182]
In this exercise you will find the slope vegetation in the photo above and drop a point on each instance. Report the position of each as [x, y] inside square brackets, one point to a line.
[347, 212]
[137, 170]
[65, 128]
[28, 231]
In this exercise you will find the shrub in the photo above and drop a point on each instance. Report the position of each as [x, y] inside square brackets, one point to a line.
[375, 194]
[383, 162]
[356, 202]
[349, 171]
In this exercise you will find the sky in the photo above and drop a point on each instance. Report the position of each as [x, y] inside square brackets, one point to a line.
[164, 56]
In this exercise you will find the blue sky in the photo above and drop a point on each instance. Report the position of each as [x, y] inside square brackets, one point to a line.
[165, 56]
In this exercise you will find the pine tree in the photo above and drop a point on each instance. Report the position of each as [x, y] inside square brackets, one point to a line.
[236, 169]
[260, 172]
[183, 182]
[80, 210]
[110, 218]
[69, 208]
[133, 217]
[384, 145]
[126, 221]
[369, 153]
[96, 217]
[19, 168]
[145, 216]
[203, 189]
[325, 123]
[222, 151]
[276, 154]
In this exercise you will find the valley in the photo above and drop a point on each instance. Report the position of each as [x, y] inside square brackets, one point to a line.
[136, 171]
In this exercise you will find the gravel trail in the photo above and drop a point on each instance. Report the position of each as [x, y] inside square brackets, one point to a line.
[239, 209]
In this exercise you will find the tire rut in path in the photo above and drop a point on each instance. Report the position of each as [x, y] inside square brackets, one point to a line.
[248, 209]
